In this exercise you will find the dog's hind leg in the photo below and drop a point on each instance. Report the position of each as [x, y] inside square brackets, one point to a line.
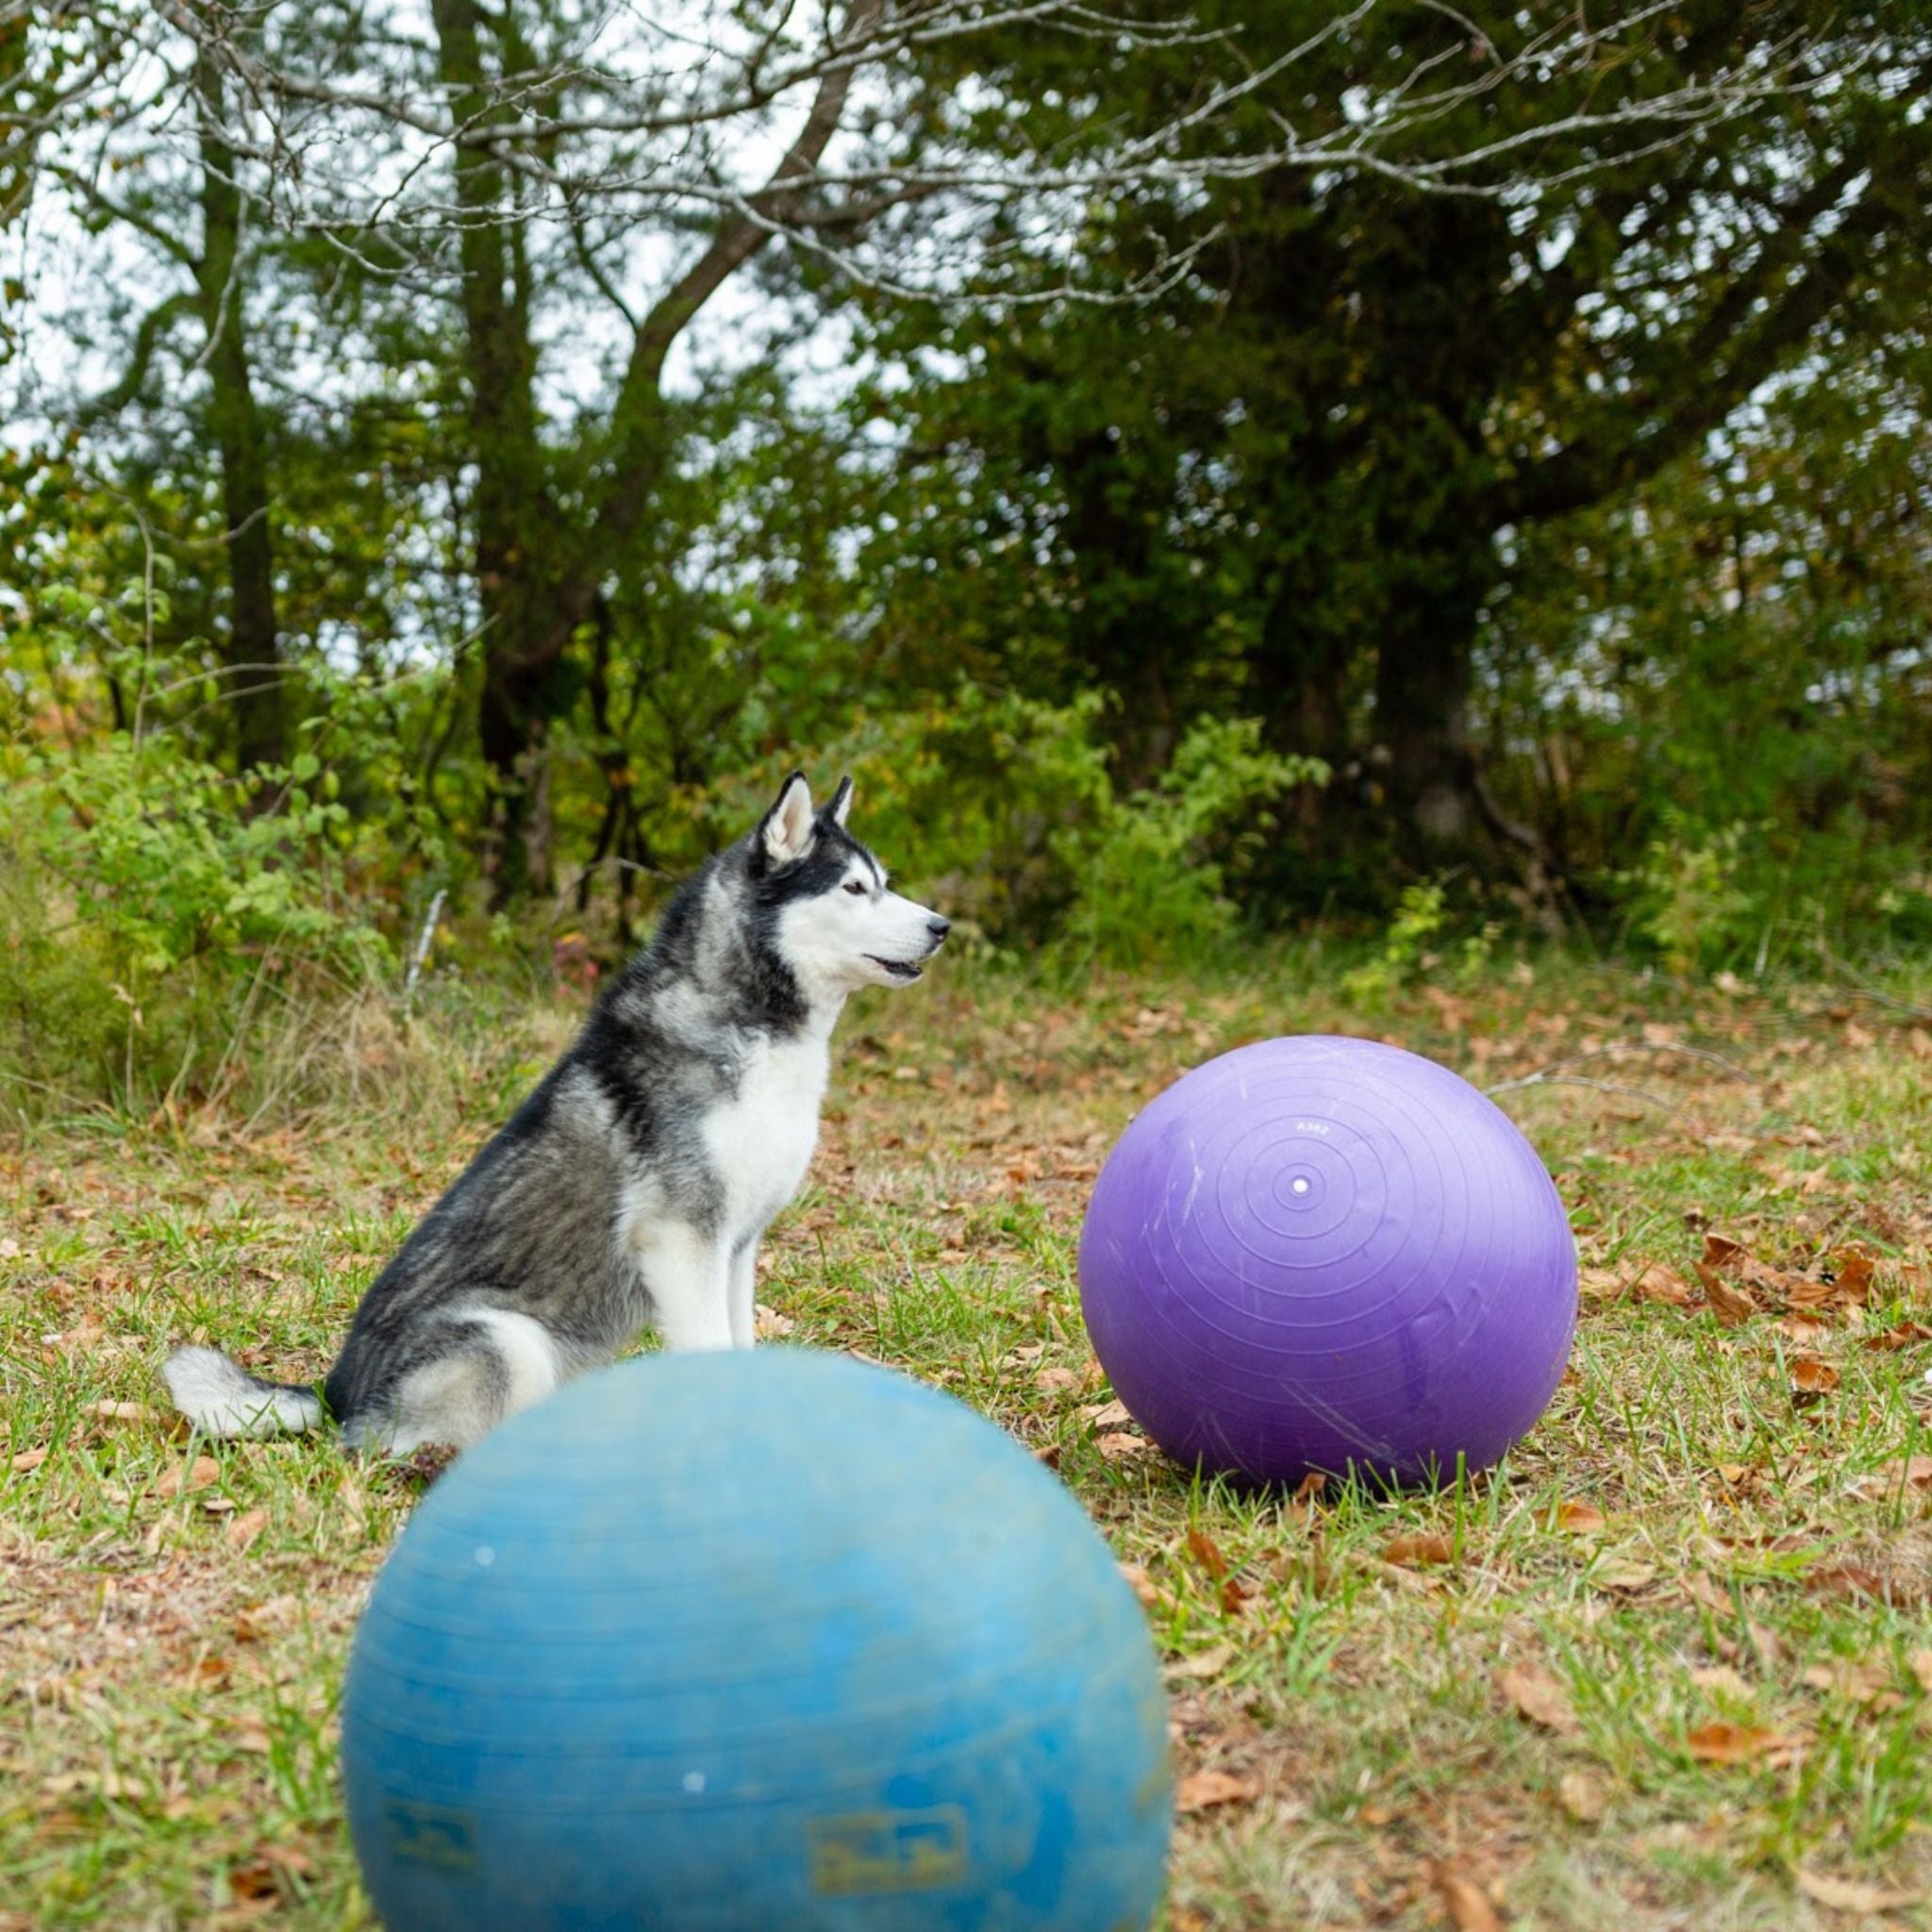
[688, 1276]
[494, 1361]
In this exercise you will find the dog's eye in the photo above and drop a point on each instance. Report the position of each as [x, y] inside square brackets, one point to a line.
[853, 886]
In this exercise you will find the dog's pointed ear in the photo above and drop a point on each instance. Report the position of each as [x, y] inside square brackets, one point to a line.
[842, 801]
[786, 832]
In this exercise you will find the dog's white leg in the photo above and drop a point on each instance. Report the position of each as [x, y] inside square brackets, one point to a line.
[688, 1276]
[745, 1295]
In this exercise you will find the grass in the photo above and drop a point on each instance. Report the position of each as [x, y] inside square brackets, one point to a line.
[1667, 1667]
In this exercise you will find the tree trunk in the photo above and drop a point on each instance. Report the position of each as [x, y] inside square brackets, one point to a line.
[1111, 563]
[519, 575]
[1423, 675]
[252, 649]
[1299, 675]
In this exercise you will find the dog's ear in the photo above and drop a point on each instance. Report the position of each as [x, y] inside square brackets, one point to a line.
[842, 801]
[786, 832]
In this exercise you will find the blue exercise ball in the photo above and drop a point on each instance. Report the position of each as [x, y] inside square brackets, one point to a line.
[751, 1643]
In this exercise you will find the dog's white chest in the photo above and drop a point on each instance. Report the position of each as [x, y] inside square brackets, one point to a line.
[761, 1142]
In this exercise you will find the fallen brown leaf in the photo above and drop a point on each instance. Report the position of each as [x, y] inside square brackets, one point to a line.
[1803, 1328]
[1466, 1902]
[1537, 1695]
[1800, 1291]
[241, 1533]
[1582, 1796]
[1720, 1250]
[1580, 1519]
[1206, 1553]
[1204, 1663]
[1856, 1580]
[1201, 1790]
[1416, 1552]
[1622, 1573]
[1108, 1415]
[1050, 1380]
[27, 1459]
[1857, 1683]
[180, 1477]
[1921, 1663]
[1660, 1284]
[1723, 1743]
[1893, 1479]
[1811, 1377]
[1853, 1268]
[1731, 1305]
[1906, 1335]
[121, 1411]
[1119, 1444]
[1851, 1894]
[254, 1880]
[1721, 1677]
[1141, 1584]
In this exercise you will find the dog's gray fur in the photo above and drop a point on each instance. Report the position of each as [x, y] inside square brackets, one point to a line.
[634, 1184]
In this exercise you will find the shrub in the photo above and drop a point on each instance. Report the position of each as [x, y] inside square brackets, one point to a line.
[147, 911]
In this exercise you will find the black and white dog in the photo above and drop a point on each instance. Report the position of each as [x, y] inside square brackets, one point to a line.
[634, 1184]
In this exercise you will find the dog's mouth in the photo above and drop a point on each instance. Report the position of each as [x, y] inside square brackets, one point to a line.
[899, 969]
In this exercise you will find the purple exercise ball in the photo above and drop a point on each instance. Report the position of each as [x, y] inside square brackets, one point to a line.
[1320, 1253]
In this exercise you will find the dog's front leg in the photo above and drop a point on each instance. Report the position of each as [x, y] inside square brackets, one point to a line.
[687, 1277]
[744, 1293]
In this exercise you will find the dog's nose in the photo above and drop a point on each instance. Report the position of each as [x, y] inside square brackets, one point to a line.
[939, 928]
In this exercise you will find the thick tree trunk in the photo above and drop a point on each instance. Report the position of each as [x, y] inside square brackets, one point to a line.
[1422, 676]
[252, 647]
[1112, 564]
[1299, 675]
[539, 571]
[526, 604]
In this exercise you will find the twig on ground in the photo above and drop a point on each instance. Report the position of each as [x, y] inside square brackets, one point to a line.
[1729, 1068]
[1550, 1079]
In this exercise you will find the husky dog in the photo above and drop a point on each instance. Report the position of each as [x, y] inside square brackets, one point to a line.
[634, 1184]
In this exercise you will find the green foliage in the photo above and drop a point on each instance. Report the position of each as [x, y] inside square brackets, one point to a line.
[1151, 871]
[145, 904]
[1421, 913]
[1005, 810]
[1392, 474]
[1690, 901]
[971, 796]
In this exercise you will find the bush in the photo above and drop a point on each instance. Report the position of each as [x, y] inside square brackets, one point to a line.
[1003, 810]
[1150, 871]
[147, 913]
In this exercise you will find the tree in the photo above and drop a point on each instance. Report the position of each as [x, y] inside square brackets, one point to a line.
[568, 137]
[1312, 447]
[180, 204]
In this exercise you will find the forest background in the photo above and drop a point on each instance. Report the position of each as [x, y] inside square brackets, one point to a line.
[1407, 475]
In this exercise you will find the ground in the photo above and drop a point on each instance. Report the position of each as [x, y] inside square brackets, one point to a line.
[1670, 1666]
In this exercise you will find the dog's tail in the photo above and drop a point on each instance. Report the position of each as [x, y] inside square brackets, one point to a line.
[221, 1398]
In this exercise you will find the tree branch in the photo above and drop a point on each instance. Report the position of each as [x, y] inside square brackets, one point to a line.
[637, 414]
[1751, 327]
[147, 339]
